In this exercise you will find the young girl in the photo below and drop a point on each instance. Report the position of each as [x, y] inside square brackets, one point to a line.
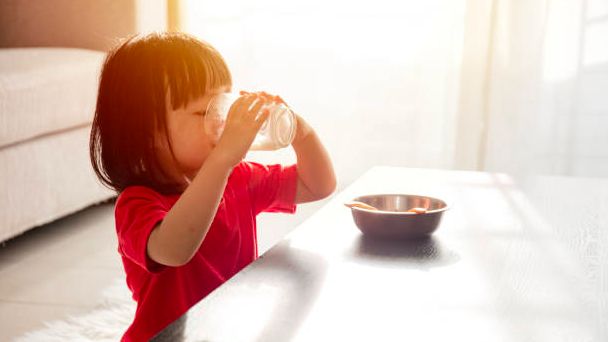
[185, 214]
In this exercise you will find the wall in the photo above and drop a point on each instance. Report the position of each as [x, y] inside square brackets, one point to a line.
[91, 24]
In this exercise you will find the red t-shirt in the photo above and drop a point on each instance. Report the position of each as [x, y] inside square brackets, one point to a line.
[164, 293]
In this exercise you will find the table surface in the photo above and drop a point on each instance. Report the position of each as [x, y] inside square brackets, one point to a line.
[512, 260]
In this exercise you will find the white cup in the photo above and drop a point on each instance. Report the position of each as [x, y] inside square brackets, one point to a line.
[277, 131]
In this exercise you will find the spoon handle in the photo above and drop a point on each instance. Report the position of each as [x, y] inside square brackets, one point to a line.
[417, 210]
[360, 205]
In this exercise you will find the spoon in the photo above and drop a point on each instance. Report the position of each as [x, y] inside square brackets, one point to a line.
[362, 205]
[416, 210]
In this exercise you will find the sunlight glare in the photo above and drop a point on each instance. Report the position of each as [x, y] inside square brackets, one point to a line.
[595, 50]
[562, 39]
[597, 9]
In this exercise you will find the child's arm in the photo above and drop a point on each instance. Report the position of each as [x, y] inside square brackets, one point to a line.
[316, 178]
[177, 238]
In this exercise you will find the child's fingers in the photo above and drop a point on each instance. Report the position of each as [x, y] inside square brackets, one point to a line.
[262, 118]
[272, 98]
[257, 105]
[242, 104]
[278, 99]
[269, 97]
[266, 96]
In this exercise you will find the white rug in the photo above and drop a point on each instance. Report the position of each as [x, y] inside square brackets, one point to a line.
[106, 323]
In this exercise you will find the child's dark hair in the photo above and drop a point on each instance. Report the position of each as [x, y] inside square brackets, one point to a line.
[131, 103]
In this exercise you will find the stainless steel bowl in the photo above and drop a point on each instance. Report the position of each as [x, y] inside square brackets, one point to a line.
[391, 220]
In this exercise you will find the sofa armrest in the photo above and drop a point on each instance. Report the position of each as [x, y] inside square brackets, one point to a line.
[89, 24]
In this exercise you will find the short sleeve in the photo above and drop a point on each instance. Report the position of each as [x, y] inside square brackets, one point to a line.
[138, 210]
[272, 188]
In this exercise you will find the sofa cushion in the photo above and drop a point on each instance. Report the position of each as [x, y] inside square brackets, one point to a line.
[46, 90]
[46, 178]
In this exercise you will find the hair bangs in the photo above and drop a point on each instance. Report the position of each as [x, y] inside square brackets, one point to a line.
[196, 71]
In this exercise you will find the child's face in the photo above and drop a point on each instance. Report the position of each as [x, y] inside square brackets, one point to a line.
[190, 143]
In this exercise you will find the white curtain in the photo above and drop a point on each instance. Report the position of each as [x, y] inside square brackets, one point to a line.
[517, 86]
[548, 88]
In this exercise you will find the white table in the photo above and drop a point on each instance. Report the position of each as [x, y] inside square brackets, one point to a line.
[511, 261]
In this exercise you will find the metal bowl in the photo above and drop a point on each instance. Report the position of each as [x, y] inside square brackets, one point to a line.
[391, 218]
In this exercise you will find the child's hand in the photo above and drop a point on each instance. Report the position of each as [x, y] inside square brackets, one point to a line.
[269, 98]
[242, 124]
[302, 127]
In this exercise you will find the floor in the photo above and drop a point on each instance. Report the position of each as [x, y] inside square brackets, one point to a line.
[62, 268]
[57, 270]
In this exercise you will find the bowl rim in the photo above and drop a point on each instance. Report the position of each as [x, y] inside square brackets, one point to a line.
[434, 211]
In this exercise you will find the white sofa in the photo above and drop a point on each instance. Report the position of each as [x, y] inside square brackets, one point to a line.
[51, 52]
